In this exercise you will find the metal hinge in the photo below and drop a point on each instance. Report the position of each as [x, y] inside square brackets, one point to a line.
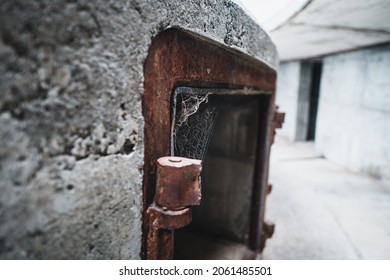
[177, 188]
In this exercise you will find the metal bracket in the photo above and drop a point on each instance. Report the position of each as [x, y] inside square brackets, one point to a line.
[177, 188]
[277, 122]
[269, 188]
[268, 232]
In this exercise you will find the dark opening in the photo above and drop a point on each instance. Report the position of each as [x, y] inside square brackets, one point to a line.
[223, 224]
[314, 97]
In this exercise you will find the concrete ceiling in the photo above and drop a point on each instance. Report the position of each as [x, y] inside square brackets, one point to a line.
[322, 27]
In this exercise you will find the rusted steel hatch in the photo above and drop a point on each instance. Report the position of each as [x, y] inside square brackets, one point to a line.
[205, 103]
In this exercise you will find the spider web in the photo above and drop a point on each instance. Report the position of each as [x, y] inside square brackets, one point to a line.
[193, 125]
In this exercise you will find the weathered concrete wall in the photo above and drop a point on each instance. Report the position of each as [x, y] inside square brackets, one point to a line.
[71, 125]
[287, 96]
[293, 98]
[353, 126]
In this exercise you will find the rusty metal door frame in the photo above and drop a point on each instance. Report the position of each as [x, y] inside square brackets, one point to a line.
[177, 58]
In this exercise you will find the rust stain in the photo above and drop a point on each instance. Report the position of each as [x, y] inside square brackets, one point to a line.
[179, 59]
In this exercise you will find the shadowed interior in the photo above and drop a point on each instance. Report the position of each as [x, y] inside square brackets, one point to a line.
[221, 224]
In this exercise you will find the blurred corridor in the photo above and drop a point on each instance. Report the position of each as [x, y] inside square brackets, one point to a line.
[322, 210]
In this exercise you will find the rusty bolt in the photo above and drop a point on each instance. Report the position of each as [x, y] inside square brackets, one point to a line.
[178, 182]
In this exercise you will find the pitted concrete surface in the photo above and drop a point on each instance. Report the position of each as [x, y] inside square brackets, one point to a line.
[322, 210]
[71, 124]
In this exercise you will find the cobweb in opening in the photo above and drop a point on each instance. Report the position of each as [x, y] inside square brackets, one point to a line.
[193, 125]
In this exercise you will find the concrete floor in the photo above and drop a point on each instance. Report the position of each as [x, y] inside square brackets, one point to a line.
[322, 210]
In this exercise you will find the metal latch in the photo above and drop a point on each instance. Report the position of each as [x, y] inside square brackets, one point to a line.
[177, 188]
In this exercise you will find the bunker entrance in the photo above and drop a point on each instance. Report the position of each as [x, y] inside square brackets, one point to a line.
[227, 130]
